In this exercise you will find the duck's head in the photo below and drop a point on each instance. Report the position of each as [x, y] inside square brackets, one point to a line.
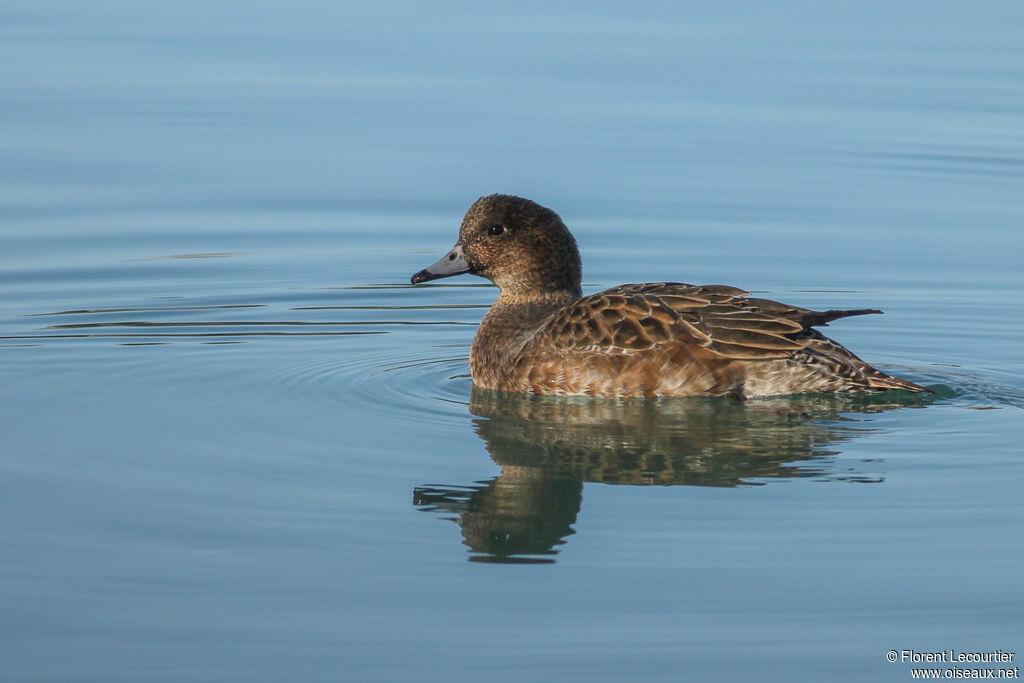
[515, 243]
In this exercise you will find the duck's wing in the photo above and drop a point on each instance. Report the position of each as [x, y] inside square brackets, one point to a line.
[724, 320]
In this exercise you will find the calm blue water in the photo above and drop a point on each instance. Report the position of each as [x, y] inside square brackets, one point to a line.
[236, 445]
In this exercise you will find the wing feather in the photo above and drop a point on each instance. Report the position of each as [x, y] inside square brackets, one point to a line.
[720, 318]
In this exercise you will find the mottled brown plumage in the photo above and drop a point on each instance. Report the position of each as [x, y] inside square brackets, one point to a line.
[642, 340]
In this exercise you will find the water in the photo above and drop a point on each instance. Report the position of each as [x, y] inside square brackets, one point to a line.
[235, 441]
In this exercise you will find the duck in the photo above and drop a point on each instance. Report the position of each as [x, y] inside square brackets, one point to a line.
[647, 340]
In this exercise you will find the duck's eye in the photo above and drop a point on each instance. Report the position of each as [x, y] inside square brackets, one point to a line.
[496, 229]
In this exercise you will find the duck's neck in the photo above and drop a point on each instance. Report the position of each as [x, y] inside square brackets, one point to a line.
[506, 331]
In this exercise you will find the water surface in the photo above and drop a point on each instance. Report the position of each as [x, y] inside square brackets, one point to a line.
[237, 445]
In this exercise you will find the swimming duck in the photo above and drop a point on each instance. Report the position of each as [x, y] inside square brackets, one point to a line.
[640, 340]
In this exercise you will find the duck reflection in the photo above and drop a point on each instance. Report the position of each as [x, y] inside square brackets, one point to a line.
[548, 446]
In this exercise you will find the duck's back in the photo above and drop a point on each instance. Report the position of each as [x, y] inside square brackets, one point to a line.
[674, 339]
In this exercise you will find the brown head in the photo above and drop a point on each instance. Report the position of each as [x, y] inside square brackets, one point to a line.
[515, 243]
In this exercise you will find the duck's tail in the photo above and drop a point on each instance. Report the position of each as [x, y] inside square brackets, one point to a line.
[879, 381]
[862, 376]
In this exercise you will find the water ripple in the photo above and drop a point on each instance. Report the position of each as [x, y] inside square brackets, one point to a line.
[418, 389]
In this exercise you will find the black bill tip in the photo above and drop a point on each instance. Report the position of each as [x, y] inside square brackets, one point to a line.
[422, 276]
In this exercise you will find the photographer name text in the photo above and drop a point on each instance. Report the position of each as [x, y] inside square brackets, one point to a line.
[954, 656]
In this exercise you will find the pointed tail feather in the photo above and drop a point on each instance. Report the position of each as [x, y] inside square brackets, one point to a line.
[890, 382]
[817, 318]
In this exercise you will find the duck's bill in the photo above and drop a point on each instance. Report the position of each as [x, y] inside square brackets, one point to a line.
[453, 263]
